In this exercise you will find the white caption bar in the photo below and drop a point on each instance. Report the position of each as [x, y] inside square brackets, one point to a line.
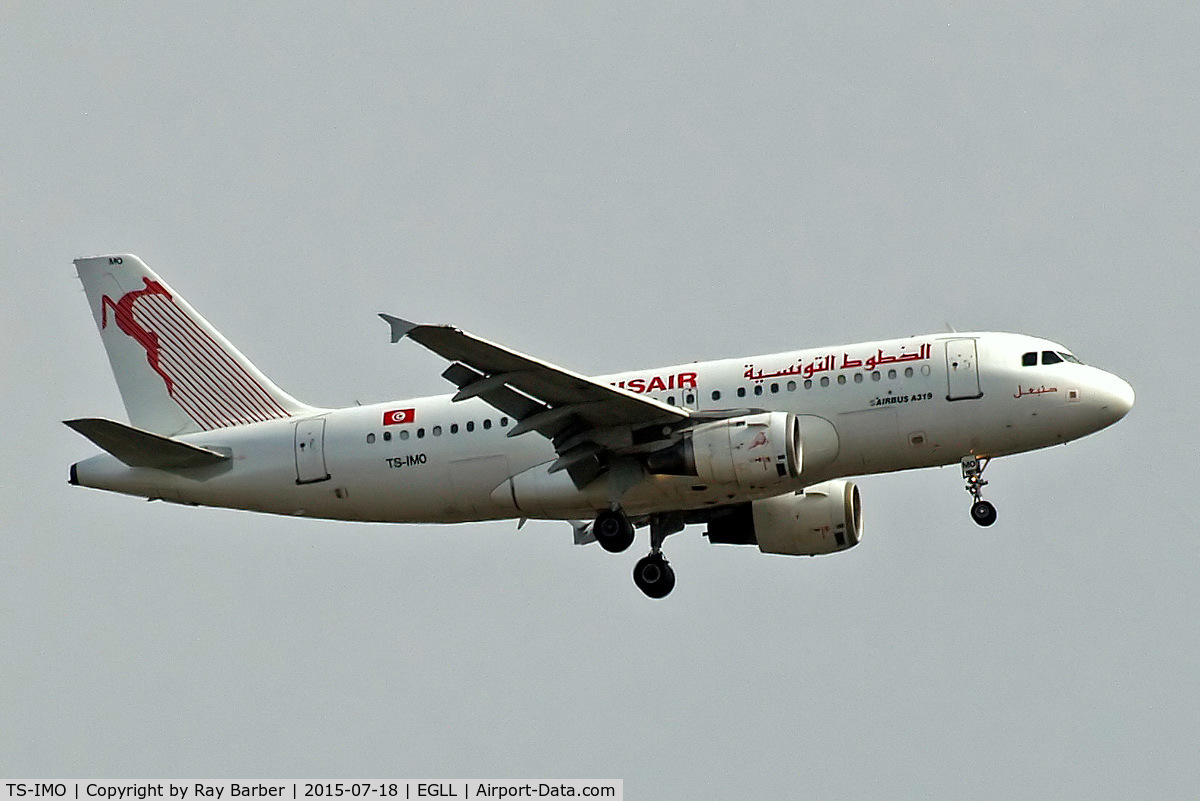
[393, 789]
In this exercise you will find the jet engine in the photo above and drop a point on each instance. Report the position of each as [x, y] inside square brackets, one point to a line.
[754, 451]
[826, 518]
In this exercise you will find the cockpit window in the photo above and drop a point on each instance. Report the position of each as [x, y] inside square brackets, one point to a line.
[1069, 358]
[1029, 359]
[1050, 357]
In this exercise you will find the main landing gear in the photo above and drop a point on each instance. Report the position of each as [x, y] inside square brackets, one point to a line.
[613, 531]
[982, 512]
[652, 574]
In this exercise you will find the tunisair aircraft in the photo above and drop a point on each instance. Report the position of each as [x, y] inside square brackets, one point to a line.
[757, 449]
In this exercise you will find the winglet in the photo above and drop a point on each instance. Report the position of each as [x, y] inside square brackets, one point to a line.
[399, 327]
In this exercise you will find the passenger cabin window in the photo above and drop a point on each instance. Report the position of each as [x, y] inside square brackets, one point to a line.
[741, 393]
[387, 436]
[1029, 359]
[470, 425]
[716, 394]
[1050, 357]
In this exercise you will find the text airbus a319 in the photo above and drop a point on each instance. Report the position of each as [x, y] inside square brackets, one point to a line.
[759, 450]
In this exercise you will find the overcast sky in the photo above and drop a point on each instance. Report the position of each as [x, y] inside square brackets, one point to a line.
[609, 189]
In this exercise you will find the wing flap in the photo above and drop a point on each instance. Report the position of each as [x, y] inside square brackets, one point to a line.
[138, 448]
[513, 403]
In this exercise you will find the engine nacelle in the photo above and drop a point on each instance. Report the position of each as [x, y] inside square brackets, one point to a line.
[827, 518]
[754, 451]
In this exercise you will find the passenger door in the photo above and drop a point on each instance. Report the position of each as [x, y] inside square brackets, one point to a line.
[962, 370]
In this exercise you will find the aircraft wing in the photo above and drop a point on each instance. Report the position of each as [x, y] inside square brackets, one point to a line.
[584, 418]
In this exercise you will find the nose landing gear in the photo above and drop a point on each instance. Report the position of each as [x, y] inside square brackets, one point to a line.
[982, 512]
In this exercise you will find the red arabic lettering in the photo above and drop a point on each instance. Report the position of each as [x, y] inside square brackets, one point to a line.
[829, 362]
[1042, 390]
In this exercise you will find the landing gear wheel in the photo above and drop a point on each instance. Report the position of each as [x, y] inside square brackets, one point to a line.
[983, 513]
[613, 531]
[654, 576]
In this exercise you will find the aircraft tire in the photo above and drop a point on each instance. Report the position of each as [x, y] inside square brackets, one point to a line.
[613, 531]
[653, 576]
[983, 513]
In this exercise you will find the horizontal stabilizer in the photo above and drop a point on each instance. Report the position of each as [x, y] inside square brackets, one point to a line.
[138, 448]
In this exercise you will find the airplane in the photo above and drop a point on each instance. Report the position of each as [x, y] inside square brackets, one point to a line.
[760, 449]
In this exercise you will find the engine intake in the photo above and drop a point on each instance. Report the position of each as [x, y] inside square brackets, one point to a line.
[826, 518]
[754, 451]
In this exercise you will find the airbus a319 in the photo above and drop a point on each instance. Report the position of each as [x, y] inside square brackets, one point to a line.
[759, 450]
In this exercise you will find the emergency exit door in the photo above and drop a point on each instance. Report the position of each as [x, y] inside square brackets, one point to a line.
[310, 451]
[962, 370]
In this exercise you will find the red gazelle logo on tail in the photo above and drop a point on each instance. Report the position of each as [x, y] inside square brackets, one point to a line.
[200, 375]
[123, 314]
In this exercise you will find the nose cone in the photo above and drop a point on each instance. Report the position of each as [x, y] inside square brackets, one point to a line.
[1116, 398]
[1125, 400]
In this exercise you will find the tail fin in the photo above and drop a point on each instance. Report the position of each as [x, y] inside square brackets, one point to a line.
[176, 373]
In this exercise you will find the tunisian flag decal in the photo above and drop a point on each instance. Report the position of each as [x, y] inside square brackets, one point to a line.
[397, 416]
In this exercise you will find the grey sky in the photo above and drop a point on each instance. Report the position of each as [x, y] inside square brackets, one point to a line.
[608, 189]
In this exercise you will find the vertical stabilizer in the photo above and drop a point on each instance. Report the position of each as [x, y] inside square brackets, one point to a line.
[176, 373]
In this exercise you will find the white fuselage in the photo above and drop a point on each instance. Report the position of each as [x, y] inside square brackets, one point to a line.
[864, 408]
